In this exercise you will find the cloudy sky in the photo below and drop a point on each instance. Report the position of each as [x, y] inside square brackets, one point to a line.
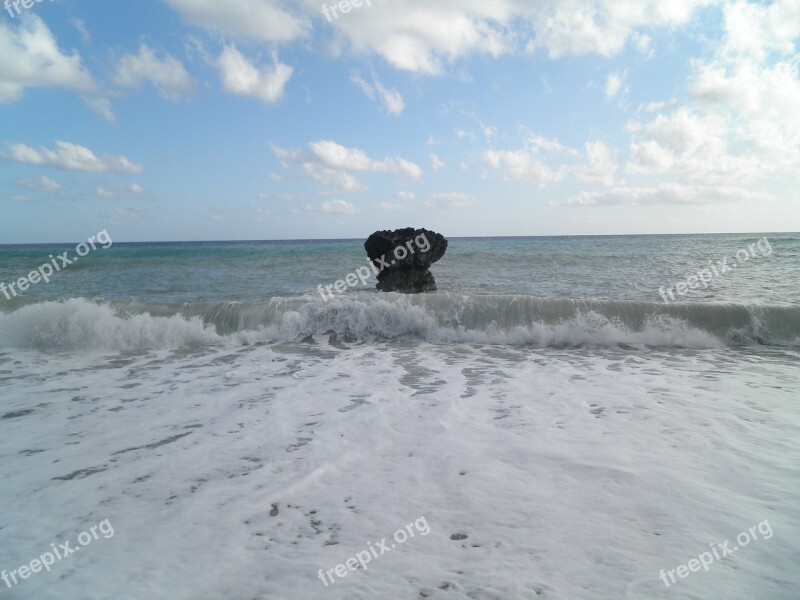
[262, 119]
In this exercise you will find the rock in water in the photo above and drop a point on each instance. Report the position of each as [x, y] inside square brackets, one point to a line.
[403, 257]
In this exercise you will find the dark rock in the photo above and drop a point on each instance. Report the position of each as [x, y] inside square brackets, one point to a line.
[407, 280]
[403, 257]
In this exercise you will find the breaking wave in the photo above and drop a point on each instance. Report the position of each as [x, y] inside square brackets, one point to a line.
[81, 324]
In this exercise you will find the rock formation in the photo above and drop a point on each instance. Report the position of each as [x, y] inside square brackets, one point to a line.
[403, 257]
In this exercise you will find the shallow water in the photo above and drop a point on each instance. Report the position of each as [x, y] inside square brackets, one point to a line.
[564, 437]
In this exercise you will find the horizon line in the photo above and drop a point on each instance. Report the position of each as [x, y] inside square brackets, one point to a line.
[455, 237]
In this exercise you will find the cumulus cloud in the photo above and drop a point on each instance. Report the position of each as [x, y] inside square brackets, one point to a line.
[167, 74]
[436, 163]
[390, 99]
[70, 157]
[30, 58]
[601, 165]
[243, 78]
[759, 103]
[424, 37]
[42, 184]
[669, 193]
[451, 200]
[540, 161]
[525, 166]
[537, 143]
[80, 27]
[740, 123]
[394, 207]
[131, 190]
[336, 156]
[310, 168]
[261, 20]
[104, 193]
[335, 207]
[754, 29]
[604, 27]
[613, 84]
[693, 146]
[101, 106]
[411, 35]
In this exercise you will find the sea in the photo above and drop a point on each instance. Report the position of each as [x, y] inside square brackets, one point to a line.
[610, 417]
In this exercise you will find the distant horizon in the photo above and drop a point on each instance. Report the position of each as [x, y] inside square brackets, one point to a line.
[448, 237]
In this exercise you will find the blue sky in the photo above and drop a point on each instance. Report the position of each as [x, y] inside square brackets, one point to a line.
[258, 119]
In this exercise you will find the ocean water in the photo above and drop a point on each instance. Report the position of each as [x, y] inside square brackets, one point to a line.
[564, 432]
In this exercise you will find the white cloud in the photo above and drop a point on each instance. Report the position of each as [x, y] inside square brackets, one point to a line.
[451, 200]
[601, 165]
[436, 163]
[338, 207]
[101, 106]
[760, 105]
[613, 84]
[420, 36]
[694, 146]
[311, 168]
[539, 162]
[80, 27]
[30, 58]
[669, 193]
[525, 166]
[336, 156]
[70, 157]
[740, 123]
[425, 37]
[281, 196]
[406, 196]
[574, 27]
[42, 184]
[394, 207]
[126, 190]
[261, 20]
[104, 193]
[755, 29]
[391, 99]
[241, 77]
[119, 215]
[538, 143]
[167, 74]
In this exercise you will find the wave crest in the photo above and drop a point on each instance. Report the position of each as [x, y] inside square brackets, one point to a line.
[438, 318]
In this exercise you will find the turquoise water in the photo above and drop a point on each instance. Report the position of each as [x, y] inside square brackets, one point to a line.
[627, 286]
[604, 268]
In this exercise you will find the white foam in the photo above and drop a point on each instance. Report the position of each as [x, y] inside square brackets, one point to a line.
[585, 470]
[83, 326]
[80, 325]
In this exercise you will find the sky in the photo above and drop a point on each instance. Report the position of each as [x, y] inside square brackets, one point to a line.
[190, 120]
